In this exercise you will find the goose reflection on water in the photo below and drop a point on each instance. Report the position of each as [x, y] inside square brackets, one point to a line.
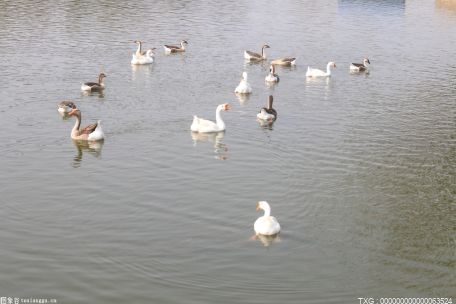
[220, 149]
[243, 98]
[266, 240]
[82, 146]
[145, 68]
[100, 94]
[319, 82]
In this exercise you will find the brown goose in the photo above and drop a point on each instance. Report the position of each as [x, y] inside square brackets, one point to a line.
[94, 86]
[286, 61]
[174, 48]
[252, 56]
[91, 132]
[360, 67]
[268, 113]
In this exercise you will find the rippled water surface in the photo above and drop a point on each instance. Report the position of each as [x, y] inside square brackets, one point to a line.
[360, 169]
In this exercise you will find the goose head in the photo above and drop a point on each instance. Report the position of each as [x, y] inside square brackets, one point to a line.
[265, 46]
[65, 107]
[244, 76]
[100, 77]
[224, 107]
[366, 61]
[263, 205]
[272, 69]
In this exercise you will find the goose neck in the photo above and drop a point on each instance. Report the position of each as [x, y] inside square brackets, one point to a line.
[328, 69]
[263, 52]
[270, 100]
[77, 124]
[267, 211]
[138, 51]
[218, 118]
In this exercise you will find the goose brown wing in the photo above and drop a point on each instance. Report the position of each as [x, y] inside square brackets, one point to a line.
[173, 47]
[89, 129]
[253, 54]
[271, 111]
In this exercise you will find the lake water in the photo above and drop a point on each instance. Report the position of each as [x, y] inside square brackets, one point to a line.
[360, 170]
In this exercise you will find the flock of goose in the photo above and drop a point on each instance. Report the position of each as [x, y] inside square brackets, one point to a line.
[265, 225]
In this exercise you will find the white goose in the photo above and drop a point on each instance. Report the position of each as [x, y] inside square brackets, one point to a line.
[94, 86]
[174, 48]
[272, 76]
[252, 56]
[312, 72]
[243, 86]
[148, 58]
[91, 132]
[206, 126]
[360, 67]
[266, 224]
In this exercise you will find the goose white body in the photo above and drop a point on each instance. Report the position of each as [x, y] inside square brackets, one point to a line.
[243, 86]
[312, 72]
[266, 224]
[148, 58]
[264, 115]
[98, 134]
[202, 125]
